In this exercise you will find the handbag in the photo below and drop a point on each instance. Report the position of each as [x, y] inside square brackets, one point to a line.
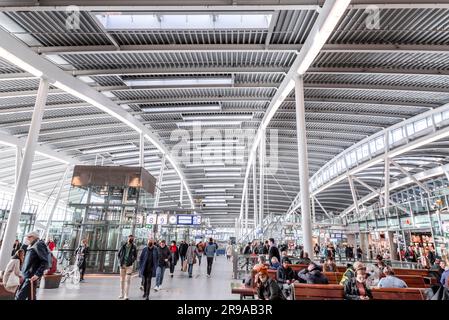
[13, 281]
[184, 266]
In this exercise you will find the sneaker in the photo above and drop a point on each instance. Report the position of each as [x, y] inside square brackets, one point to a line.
[120, 297]
[156, 288]
[141, 288]
[144, 296]
[190, 276]
[125, 298]
[172, 276]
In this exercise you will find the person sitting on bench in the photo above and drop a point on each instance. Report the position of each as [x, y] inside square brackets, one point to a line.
[267, 288]
[330, 265]
[285, 276]
[312, 275]
[274, 265]
[355, 288]
[390, 281]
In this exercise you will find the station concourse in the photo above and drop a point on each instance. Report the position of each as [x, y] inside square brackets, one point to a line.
[224, 150]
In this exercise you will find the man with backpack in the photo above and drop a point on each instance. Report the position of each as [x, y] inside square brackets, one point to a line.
[210, 251]
[38, 258]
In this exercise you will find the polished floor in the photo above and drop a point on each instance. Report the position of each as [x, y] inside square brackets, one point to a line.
[180, 287]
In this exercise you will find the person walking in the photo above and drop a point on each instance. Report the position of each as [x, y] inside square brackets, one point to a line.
[273, 251]
[200, 251]
[174, 256]
[163, 257]
[35, 263]
[191, 255]
[183, 251]
[82, 252]
[147, 267]
[210, 251]
[126, 255]
[229, 250]
[15, 247]
[12, 276]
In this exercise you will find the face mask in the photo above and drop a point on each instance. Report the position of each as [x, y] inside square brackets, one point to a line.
[27, 242]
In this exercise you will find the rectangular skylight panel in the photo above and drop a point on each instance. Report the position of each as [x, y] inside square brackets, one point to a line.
[208, 123]
[192, 21]
[174, 82]
[182, 109]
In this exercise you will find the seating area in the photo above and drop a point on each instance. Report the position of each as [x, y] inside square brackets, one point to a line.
[417, 282]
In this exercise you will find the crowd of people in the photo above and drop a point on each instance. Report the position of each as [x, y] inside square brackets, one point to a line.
[31, 260]
[357, 280]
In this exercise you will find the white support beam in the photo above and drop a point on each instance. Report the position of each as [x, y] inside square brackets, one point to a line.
[142, 150]
[325, 23]
[55, 204]
[379, 193]
[246, 210]
[386, 175]
[255, 205]
[261, 179]
[303, 166]
[19, 54]
[354, 195]
[18, 164]
[405, 172]
[159, 182]
[10, 232]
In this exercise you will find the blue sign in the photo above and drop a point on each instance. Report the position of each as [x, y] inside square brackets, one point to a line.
[185, 219]
[197, 220]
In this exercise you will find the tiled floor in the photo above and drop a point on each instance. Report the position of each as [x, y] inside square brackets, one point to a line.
[180, 287]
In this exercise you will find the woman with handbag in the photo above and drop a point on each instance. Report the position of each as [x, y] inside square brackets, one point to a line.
[174, 256]
[191, 254]
[12, 277]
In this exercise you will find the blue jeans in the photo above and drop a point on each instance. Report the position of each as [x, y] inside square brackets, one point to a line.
[159, 275]
[190, 269]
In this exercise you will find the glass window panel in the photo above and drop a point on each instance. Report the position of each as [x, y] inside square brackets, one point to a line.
[397, 134]
[359, 154]
[410, 130]
[437, 118]
[446, 114]
[380, 143]
[365, 151]
[420, 125]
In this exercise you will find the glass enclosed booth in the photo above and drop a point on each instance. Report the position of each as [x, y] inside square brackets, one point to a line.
[108, 203]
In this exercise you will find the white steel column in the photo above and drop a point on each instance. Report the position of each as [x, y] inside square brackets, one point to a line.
[18, 163]
[255, 217]
[142, 150]
[306, 223]
[387, 177]
[55, 204]
[159, 182]
[24, 175]
[246, 211]
[261, 178]
[181, 192]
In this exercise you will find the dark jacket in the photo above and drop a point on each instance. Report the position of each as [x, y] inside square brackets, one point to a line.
[247, 250]
[145, 259]
[163, 253]
[82, 258]
[312, 277]
[352, 292]
[270, 290]
[131, 257]
[183, 249]
[35, 262]
[274, 252]
[266, 249]
[285, 274]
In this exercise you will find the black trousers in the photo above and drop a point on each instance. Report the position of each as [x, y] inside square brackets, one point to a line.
[210, 260]
[82, 267]
[24, 290]
[147, 284]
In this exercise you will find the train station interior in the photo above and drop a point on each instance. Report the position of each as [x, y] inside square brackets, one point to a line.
[224, 150]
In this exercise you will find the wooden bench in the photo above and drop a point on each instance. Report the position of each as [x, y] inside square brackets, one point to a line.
[411, 272]
[398, 294]
[51, 281]
[5, 295]
[242, 290]
[333, 277]
[303, 291]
